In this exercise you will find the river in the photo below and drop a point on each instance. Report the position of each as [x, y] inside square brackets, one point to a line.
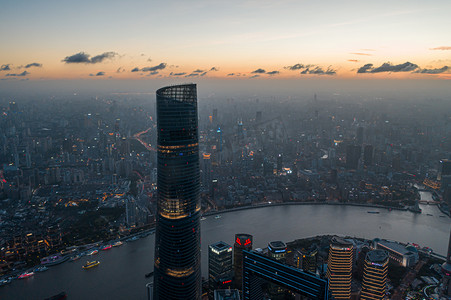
[121, 272]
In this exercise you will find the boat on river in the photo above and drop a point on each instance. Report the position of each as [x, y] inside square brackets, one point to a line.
[53, 260]
[25, 275]
[91, 264]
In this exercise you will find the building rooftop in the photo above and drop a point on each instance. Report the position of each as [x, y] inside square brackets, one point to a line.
[377, 256]
[220, 246]
[340, 242]
[399, 248]
[277, 245]
[226, 295]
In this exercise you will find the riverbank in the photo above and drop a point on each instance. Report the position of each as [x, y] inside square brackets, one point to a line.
[210, 213]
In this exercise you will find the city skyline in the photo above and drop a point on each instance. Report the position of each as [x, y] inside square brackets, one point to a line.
[264, 39]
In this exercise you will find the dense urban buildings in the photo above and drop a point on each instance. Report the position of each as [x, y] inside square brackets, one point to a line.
[339, 268]
[177, 238]
[375, 271]
[446, 270]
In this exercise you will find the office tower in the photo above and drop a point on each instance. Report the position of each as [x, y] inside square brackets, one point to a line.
[279, 162]
[446, 270]
[243, 241]
[258, 270]
[177, 238]
[444, 175]
[352, 156]
[359, 136]
[258, 117]
[277, 250]
[307, 260]
[368, 155]
[206, 171]
[220, 269]
[339, 268]
[375, 275]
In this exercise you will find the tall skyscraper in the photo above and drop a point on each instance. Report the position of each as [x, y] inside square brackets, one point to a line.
[177, 238]
[353, 156]
[243, 241]
[339, 268]
[220, 271]
[375, 275]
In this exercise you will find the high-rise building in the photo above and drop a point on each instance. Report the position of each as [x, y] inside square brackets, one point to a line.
[446, 270]
[220, 271]
[243, 241]
[307, 259]
[368, 155]
[206, 171]
[353, 156]
[177, 240]
[375, 275]
[359, 136]
[339, 268]
[277, 250]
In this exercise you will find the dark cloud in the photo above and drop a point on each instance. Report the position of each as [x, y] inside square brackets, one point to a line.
[120, 70]
[102, 57]
[365, 68]
[214, 69]
[231, 74]
[441, 48]
[5, 67]
[178, 74]
[153, 73]
[101, 73]
[433, 71]
[319, 71]
[84, 58]
[258, 71]
[203, 74]
[254, 76]
[360, 53]
[192, 75]
[198, 71]
[295, 67]
[24, 73]
[33, 65]
[135, 69]
[388, 67]
[273, 73]
[154, 68]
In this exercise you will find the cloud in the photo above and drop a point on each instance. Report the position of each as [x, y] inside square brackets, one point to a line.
[258, 71]
[319, 71]
[441, 48]
[33, 65]
[101, 73]
[273, 73]
[5, 67]
[135, 69]
[149, 59]
[353, 60]
[84, 58]
[153, 73]
[295, 67]
[198, 71]
[24, 73]
[120, 70]
[231, 74]
[433, 71]
[388, 67]
[192, 75]
[254, 76]
[203, 74]
[365, 68]
[214, 69]
[178, 74]
[360, 53]
[155, 68]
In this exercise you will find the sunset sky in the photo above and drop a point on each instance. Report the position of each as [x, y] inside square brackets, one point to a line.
[224, 39]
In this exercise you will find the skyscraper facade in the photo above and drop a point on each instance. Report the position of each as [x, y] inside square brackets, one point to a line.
[220, 271]
[339, 268]
[375, 275]
[243, 241]
[177, 240]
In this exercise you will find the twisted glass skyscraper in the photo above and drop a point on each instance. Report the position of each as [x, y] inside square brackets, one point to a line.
[177, 240]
